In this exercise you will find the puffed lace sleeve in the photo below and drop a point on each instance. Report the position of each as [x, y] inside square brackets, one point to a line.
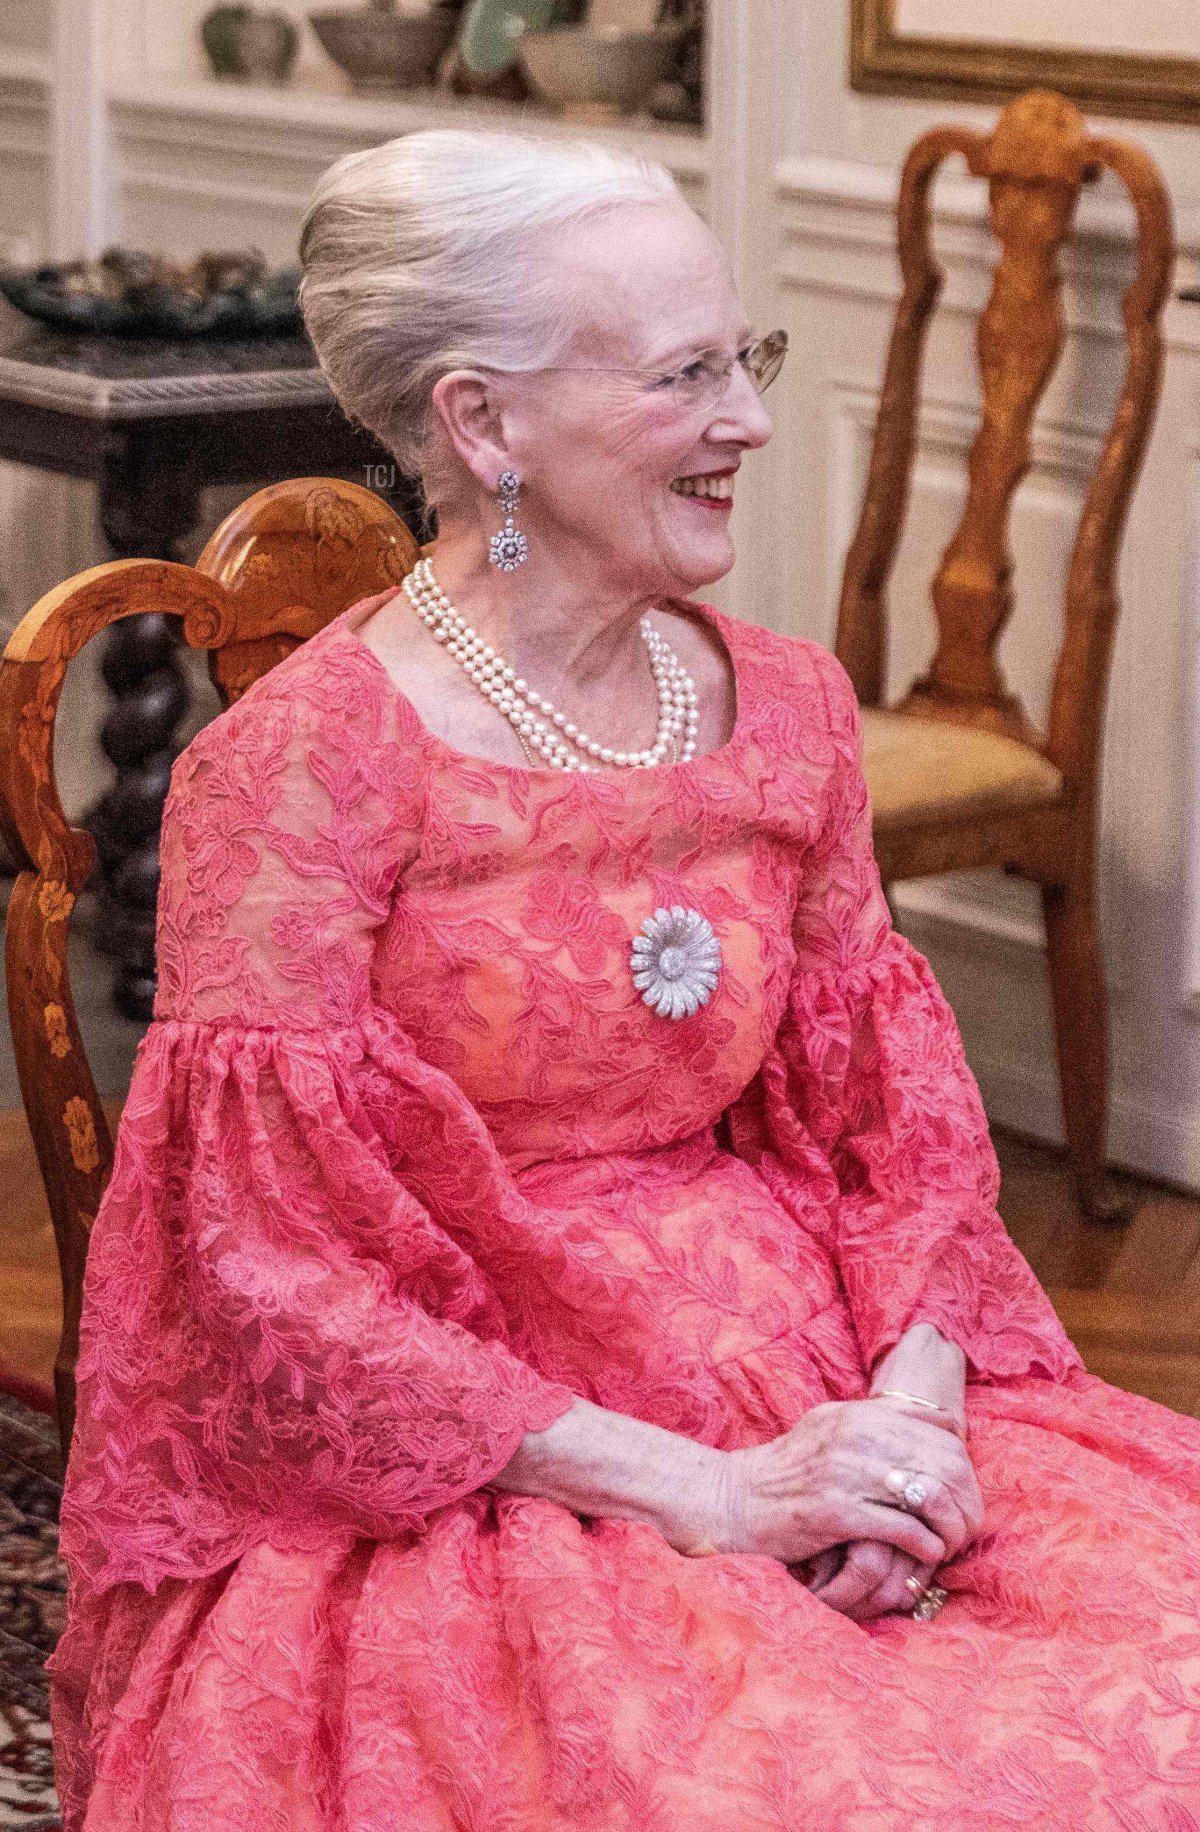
[282, 1338]
[870, 1113]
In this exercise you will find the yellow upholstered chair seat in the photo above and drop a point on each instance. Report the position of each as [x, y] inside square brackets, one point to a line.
[918, 769]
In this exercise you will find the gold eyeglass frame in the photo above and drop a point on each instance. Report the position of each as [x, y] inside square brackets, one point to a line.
[762, 360]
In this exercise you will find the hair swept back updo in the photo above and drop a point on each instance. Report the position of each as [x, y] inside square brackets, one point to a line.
[435, 252]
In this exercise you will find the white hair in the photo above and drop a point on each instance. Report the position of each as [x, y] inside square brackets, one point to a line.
[435, 252]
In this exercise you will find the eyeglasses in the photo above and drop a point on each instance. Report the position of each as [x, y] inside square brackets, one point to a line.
[702, 382]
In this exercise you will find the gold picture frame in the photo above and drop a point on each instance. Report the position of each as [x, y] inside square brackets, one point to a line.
[886, 61]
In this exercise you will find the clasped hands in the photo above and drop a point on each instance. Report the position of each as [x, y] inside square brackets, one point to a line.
[818, 1498]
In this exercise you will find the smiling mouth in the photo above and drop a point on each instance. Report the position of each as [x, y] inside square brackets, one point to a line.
[713, 488]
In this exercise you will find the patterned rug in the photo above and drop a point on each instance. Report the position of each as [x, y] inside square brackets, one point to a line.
[33, 1601]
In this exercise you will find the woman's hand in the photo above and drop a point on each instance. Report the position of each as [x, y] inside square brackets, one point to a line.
[825, 1483]
[869, 1578]
[866, 1579]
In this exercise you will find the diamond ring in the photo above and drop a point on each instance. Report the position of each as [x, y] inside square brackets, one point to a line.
[912, 1492]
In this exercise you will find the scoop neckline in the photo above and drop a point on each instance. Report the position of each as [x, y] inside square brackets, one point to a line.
[707, 613]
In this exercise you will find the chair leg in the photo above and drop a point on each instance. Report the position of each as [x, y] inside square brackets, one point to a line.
[1080, 1001]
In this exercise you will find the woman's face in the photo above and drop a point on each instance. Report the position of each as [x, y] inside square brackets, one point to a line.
[602, 446]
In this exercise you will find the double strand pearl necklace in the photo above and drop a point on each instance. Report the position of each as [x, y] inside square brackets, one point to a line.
[539, 724]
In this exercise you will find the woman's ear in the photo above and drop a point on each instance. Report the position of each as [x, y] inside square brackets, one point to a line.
[466, 404]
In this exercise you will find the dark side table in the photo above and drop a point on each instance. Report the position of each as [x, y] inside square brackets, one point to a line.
[153, 422]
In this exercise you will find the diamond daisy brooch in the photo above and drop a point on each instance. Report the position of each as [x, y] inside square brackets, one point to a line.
[676, 962]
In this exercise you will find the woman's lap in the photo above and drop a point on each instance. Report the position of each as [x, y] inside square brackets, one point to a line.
[517, 1667]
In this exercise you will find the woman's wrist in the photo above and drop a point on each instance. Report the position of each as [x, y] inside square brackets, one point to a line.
[608, 1465]
[927, 1368]
[713, 1518]
[920, 1407]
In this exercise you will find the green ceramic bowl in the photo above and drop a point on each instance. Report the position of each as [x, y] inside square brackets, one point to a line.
[492, 30]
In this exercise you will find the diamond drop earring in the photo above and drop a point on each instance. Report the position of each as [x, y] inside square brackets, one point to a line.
[509, 548]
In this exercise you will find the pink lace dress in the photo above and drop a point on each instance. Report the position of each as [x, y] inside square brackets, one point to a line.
[407, 1164]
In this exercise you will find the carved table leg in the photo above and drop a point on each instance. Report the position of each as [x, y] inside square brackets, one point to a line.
[149, 500]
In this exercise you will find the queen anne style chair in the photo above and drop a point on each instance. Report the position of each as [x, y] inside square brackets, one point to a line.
[278, 569]
[959, 778]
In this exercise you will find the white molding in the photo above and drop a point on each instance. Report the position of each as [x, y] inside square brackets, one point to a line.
[215, 191]
[837, 237]
[730, 46]
[304, 122]
[231, 154]
[938, 909]
[993, 929]
[25, 96]
[1146, 1136]
[81, 218]
[739, 206]
[1058, 447]
[18, 143]
[957, 198]
[1156, 1137]
[25, 69]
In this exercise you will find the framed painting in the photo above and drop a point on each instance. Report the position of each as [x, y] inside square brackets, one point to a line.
[1108, 56]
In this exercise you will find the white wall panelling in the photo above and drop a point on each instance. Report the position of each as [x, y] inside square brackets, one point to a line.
[47, 521]
[81, 185]
[25, 90]
[40, 516]
[232, 158]
[28, 25]
[798, 175]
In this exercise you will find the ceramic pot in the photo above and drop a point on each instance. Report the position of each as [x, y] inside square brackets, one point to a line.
[381, 49]
[257, 45]
[598, 72]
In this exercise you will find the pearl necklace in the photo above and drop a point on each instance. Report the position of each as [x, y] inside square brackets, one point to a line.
[538, 723]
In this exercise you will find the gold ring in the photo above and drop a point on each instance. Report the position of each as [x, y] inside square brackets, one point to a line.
[929, 1603]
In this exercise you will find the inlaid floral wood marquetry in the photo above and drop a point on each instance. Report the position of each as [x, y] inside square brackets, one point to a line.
[293, 556]
[278, 569]
[1029, 810]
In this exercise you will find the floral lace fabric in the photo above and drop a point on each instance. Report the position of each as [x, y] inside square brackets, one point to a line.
[407, 1165]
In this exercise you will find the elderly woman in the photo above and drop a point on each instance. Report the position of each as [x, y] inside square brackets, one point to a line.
[551, 1359]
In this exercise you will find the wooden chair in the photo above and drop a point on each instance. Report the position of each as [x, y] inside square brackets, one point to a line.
[277, 570]
[959, 777]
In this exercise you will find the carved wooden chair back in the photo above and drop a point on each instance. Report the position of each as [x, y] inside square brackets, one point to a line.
[278, 568]
[959, 777]
[1035, 163]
